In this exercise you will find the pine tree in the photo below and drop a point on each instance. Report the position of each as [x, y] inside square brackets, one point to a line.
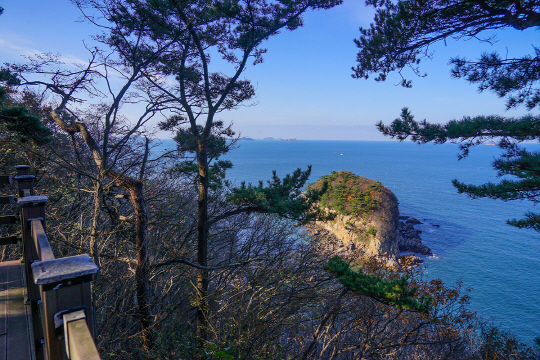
[400, 37]
[15, 118]
[395, 292]
[403, 31]
[524, 165]
[182, 37]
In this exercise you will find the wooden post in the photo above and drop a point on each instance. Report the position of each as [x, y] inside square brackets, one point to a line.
[32, 207]
[25, 184]
[55, 287]
[22, 169]
[65, 286]
[25, 181]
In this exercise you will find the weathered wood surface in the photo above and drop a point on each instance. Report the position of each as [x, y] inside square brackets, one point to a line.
[40, 240]
[64, 285]
[63, 269]
[15, 334]
[79, 342]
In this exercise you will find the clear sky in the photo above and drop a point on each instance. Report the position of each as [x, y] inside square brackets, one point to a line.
[304, 87]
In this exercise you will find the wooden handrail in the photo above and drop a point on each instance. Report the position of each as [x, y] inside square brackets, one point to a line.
[40, 241]
[5, 200]
[79, 342]
[56, 287]
[6, 179]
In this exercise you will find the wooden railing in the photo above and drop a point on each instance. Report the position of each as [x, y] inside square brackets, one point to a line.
[59, 290]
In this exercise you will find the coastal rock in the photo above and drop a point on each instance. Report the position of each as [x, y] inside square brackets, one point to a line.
[358, 234]
[409, 240]
[366, 225]
[371, 234]
[330, 245]
[412, 220]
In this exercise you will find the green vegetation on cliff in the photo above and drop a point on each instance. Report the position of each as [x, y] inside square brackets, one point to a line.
[396, 292]
[350, 194]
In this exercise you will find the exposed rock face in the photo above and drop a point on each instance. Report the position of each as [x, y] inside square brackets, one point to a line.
[369, 228]
[367, 235]
[375, 235]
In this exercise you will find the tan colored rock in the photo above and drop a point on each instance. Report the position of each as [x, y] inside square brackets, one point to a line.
[373, 235]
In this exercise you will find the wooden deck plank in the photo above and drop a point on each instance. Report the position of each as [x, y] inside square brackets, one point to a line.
[15, 340]
[3, 313]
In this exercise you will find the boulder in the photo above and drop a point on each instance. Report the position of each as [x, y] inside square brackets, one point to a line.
[409, 240]
[409, 244]
[412, 220]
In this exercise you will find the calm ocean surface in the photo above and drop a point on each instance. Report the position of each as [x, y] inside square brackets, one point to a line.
[473, 243]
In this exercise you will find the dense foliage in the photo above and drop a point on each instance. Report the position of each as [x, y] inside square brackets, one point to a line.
[396, 292]
[269, 297]
[349, 194]
[16, 120]
[172, 43]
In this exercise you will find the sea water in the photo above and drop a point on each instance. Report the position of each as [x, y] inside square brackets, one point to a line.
[472, 243]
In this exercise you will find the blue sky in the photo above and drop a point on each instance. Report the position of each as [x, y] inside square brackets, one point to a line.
[304, 87]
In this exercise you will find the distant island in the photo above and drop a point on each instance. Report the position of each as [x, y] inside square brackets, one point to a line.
[490, 142]
[266, 139]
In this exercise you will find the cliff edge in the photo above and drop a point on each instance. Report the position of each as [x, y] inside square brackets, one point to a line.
[366, 217]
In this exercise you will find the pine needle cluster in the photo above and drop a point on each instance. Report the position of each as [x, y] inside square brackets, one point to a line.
[395, 292]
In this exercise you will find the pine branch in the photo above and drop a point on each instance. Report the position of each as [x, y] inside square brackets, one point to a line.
[394, 292]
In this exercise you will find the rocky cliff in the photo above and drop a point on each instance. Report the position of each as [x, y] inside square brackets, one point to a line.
[365, 225]
[366, 222]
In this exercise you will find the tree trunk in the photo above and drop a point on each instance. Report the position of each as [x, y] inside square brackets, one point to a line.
[135, 188]
[94, 251]
[141, 272]
[202, 243]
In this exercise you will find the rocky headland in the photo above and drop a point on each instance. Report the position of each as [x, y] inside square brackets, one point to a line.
[366, 223]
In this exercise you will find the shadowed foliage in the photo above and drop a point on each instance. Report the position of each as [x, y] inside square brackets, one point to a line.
[15, 118]
[395, 292]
